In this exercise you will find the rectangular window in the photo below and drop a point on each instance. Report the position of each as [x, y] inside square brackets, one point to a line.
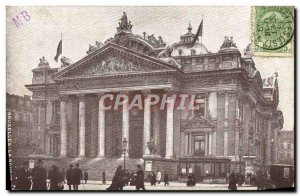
[200, 103]
[286, 172]
[199, 145]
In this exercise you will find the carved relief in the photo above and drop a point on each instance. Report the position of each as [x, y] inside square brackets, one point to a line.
[112, 65]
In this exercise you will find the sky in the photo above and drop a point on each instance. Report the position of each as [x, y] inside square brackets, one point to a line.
[81, 26]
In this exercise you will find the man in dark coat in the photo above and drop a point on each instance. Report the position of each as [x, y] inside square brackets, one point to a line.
[77, 176]
[232, 182]
[103, 177]
[166, 179]
[23, 181]
[117, 181]
[55, 178]
[140, 179]
[86, 176]
[39, 176]
[69, 176]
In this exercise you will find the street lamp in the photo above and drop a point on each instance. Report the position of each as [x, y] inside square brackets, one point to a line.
[124, 147]
[240, 158]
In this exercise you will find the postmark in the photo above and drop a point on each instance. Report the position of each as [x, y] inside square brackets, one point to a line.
[272, 31]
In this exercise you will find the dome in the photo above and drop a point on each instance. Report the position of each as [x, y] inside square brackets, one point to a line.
[186, 50]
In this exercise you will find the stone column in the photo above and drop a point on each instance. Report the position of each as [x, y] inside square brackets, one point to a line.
[101, 128]
[81, 126]
[186, 144]
[206, 143]
[209, 142]
[125, 122]
[237, 142]
[147, 123]
[226, 142]
[63, 127]
[156, 128]
[268, 141]
[170, 126]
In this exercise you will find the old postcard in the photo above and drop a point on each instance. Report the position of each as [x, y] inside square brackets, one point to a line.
[150, 98]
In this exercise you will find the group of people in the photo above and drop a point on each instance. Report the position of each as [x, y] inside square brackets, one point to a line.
[260, 179]
[123, 177]
[38, 179]
[157, 178]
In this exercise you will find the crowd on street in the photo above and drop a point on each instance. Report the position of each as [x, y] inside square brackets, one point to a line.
[39, 179]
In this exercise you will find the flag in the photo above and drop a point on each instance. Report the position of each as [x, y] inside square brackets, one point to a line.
[199, 33]
[59, 51]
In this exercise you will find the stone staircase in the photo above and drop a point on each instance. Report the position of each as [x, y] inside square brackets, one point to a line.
[95, 166]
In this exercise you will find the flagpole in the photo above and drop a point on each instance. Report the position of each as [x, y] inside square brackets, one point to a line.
[61, 48]
[201, 33]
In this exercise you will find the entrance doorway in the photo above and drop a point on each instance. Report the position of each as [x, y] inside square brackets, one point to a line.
[199, 145]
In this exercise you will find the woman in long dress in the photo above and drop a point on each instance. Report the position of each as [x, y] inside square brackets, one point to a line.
[232, 182]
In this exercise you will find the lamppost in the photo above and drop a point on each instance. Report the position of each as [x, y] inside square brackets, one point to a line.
[240, 158]
[124, 147]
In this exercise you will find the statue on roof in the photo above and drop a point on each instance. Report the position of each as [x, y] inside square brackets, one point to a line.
[228, 43]
[247, 51]
[124, 24]
[43, 61]
[66, 61]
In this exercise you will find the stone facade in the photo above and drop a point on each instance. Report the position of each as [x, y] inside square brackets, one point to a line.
[23, 134]
[234, 127]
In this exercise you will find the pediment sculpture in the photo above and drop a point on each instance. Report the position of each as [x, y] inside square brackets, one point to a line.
[112, 65]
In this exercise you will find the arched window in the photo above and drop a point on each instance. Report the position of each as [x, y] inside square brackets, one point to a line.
[180, 52]
[193, 52]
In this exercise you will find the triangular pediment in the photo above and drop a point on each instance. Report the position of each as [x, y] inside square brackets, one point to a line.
[113, 59]
[197, 123]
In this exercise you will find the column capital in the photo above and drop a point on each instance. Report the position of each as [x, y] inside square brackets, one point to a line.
[170, 91]
[99, 95]
[42, 103]
[204, 94]
[81, 97]
[232, 94]
[63, 97]
[221, 93]
[145, 93]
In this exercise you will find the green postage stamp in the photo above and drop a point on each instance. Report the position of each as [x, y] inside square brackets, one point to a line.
[273, 31]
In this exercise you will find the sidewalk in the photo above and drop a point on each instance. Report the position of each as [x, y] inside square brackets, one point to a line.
[174, 185]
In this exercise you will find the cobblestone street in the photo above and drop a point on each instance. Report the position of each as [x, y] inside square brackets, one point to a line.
[96, 185]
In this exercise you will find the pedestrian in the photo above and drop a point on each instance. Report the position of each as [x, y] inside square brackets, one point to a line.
[23, 174]
[63, 175]
[232, 182]
[77, 177]
[39, 177]
[260, 180]
[153, 179]
[55, 178]
[140, 179]
[127, 177]
[86, 176]
[117, 180]
[166, 179]
[158, 177]
[69, 176]
[103, 177]
[238, 177]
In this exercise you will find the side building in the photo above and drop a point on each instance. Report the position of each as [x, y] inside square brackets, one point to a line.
[286, 147]
[235, 128]
[22, 124]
